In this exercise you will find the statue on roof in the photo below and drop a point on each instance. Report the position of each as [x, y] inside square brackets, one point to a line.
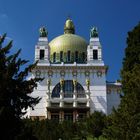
[43, 32]
[93, 32]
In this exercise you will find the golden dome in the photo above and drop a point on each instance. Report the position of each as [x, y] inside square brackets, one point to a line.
[68, 42]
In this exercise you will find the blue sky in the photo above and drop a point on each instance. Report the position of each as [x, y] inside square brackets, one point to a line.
[21, 19]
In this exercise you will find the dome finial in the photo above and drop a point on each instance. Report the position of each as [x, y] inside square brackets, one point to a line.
[69, 27]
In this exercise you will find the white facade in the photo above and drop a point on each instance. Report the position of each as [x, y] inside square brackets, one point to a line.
[93, 94]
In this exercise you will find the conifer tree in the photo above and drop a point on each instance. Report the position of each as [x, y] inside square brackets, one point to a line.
[125, 121]
[15, 91]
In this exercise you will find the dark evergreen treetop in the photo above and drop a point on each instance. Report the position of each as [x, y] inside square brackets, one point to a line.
[125, 121]
[132, 57]
[132, 51]
[15, 89]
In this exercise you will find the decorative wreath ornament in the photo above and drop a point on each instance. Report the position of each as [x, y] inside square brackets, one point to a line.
[38, 73]
[62, 73]
[109, 91]
[87, 73]
[119, 91]
[50, 73]
[74, 73]
[99, 73]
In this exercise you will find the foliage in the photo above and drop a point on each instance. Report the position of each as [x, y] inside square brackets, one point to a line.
[14, 91]
[66, 130]
[131, 59]
[96, 123]
[124, 123]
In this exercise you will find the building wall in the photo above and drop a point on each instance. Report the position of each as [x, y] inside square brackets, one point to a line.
[113, 96]
[103, 96]
[98, 98]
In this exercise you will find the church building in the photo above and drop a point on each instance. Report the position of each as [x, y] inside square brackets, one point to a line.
[74, 73]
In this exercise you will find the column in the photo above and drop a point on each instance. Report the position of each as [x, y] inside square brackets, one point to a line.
[88, 113]
[61, 104]
[49, 115]
[48, 92]
[75, 92]
[88, 84]
[74, 116]
[88, 95]
[61, 116]
[74, 103]
[88, 103]
[61, 88]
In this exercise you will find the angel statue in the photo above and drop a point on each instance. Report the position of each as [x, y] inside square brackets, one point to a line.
[87, 83]
[49, 84]
[43, 32]
[93, 32]
[61, 84]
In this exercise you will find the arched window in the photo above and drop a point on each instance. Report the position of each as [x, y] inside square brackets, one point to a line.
[68, 56]
[61, 56]
[54, 57]
[95, 54]
[68, 89]
[42, 54]
[76, 56]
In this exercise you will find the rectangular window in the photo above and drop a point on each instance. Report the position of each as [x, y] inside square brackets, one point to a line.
[95, 54]
[42, 54]
[76, 56]
[54, 57]
[68, 56]
[61, 56]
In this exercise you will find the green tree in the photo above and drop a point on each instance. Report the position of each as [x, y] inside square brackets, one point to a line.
[131, 59]
[124, 123]
[96, 123]
[15, 91]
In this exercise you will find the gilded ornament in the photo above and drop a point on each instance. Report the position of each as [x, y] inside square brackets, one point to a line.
[50, 73]
[87, 82]
[61, 83]
[48, 82]
[74, 82]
